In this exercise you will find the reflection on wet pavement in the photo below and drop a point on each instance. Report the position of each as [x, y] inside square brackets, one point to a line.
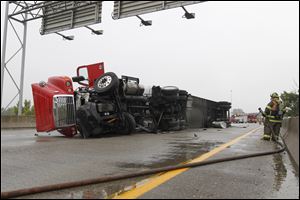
[179, 152]
[280, 171]
[180, 149]
[102, 191]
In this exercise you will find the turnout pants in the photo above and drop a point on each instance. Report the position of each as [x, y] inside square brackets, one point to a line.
[268, 132]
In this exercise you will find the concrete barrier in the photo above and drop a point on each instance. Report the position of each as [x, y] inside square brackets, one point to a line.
[290, 133]
[17, 122]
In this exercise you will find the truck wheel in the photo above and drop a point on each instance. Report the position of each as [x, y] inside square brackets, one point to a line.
[83, 133]
[224, 104]
[164, 125]
[130, 124]
[106, 82]
[170, 90]
[183, 93]
[82, 117]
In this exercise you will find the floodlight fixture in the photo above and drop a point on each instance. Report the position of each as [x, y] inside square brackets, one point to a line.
[143, 22]
[188, 15]
[97, 32]
[69, 37]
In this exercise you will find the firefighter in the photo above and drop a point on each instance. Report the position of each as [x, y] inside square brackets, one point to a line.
[273, 117]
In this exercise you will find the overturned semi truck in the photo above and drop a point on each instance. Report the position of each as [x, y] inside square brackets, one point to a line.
[104, 103]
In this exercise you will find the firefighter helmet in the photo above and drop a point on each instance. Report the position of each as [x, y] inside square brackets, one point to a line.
[274, 95]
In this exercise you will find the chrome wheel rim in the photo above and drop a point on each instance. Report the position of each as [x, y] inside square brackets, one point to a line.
[104, 81]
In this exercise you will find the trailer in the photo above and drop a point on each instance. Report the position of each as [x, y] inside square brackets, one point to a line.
[105, 103]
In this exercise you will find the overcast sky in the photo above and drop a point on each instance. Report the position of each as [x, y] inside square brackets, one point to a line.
[249, 48]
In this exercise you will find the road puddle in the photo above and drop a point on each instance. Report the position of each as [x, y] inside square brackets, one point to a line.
[178, 153]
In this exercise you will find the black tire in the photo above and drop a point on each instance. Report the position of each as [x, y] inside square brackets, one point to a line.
[130, 124]
[83, 133]
[170, 90]
[106, 83]
[182, 93]
[81, 116]
[182, 98]
[171, 98]
[164, 125]
[224, 104]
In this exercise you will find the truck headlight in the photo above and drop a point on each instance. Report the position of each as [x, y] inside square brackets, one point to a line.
[42, 83]
[68, 84]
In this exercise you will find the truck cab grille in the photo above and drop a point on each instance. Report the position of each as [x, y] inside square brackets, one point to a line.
[63, 111]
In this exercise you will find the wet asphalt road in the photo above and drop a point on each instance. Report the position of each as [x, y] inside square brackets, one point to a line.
[28, 160]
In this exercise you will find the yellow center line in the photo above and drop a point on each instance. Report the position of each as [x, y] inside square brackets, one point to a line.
[161, 178]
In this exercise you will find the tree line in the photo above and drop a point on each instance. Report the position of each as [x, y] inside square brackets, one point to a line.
[289, 99]
[27, 109]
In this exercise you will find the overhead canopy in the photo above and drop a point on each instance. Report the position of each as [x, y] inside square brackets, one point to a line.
[124, 9]
[65, 15]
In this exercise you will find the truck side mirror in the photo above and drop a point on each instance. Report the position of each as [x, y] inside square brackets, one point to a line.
[78, 78]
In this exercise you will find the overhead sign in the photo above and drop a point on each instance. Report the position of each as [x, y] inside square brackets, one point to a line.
[65, 15]
[124, 9]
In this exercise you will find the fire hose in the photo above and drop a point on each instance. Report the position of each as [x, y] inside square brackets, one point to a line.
[61, 186]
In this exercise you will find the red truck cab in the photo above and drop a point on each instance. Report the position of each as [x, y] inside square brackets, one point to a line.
[54, 101]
